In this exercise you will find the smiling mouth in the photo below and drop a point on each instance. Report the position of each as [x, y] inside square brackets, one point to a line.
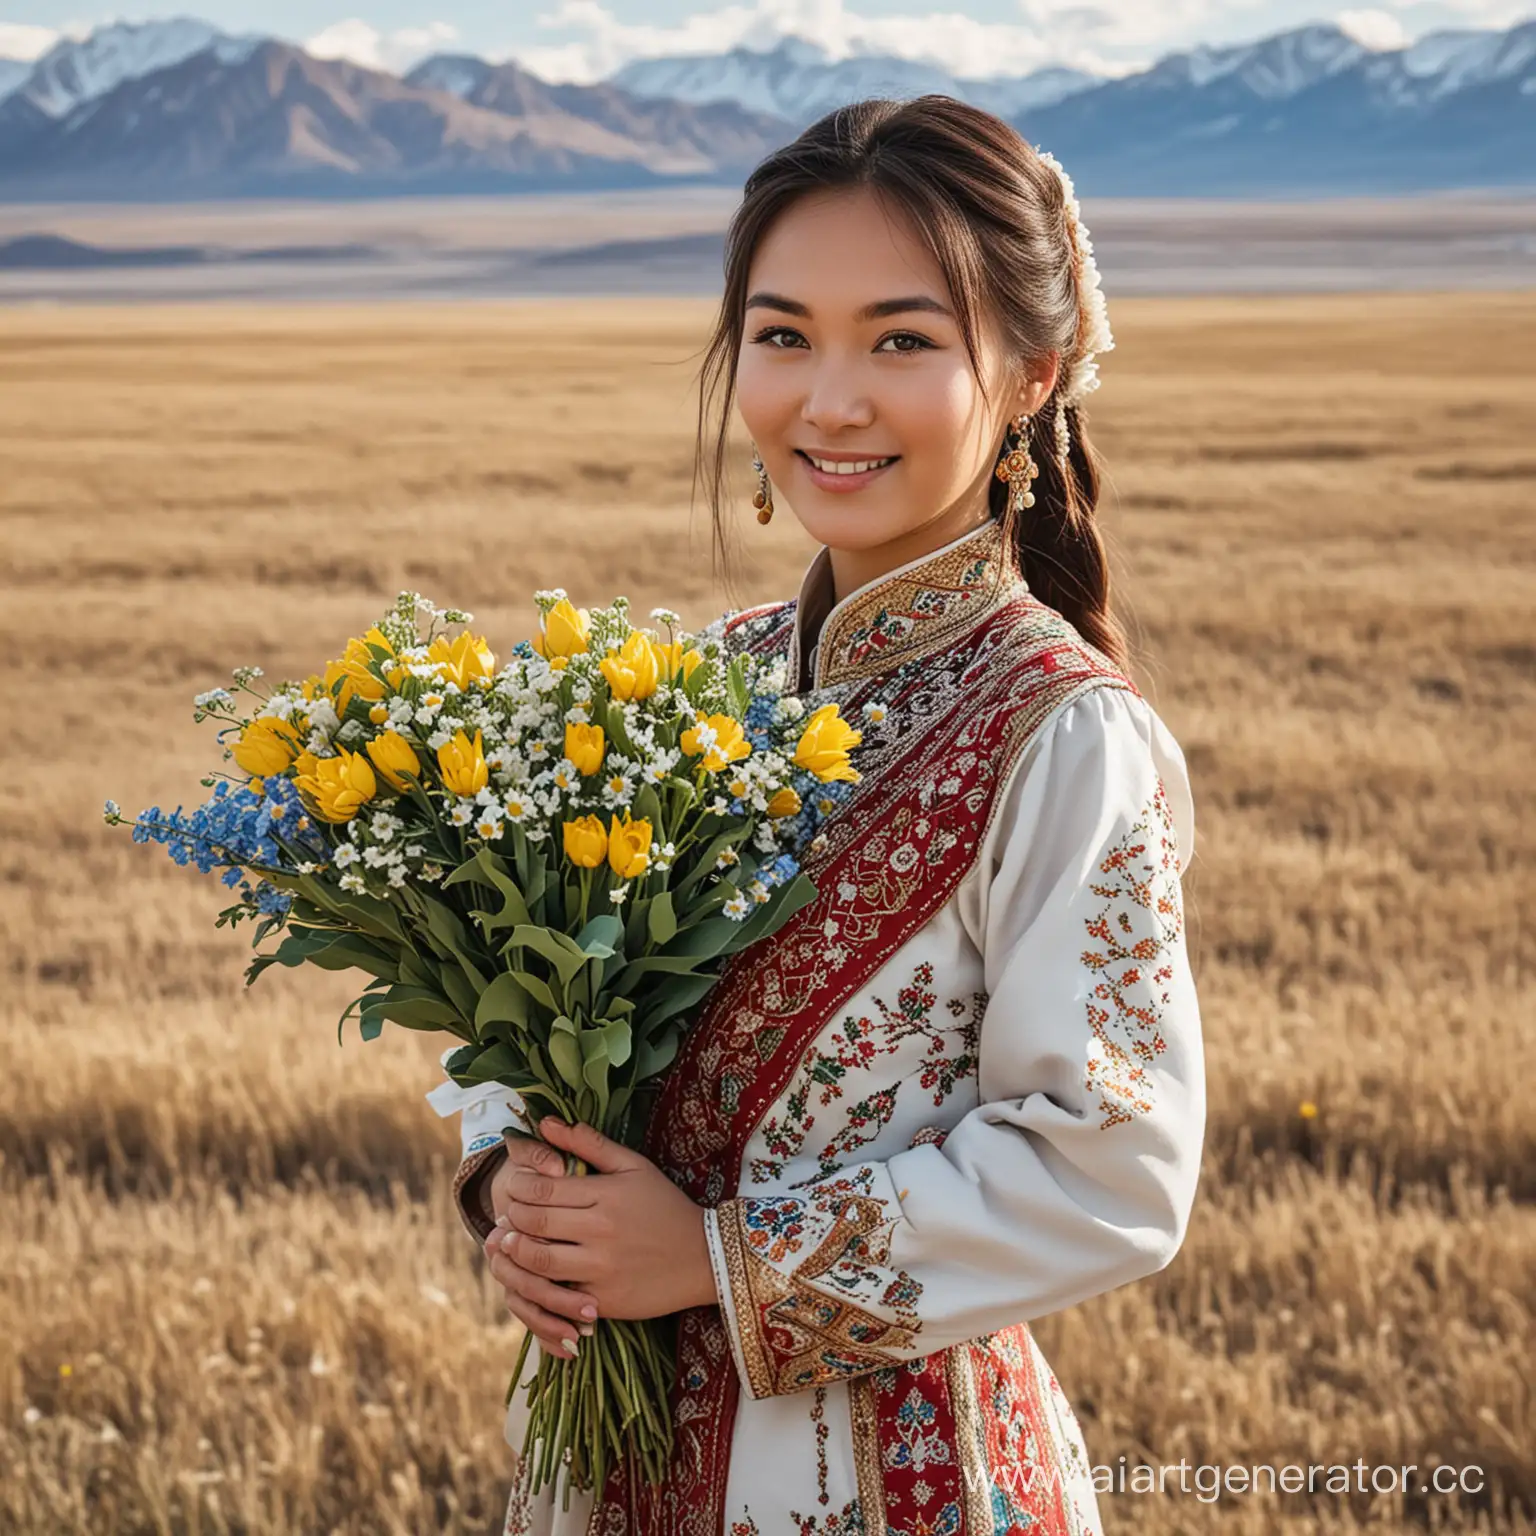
[851, 467]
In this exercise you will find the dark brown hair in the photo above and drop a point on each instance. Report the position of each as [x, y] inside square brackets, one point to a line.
[992, 213]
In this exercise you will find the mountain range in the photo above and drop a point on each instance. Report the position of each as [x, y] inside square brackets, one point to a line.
[179, 110]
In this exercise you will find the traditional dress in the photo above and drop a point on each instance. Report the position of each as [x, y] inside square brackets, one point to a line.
[960, 1090]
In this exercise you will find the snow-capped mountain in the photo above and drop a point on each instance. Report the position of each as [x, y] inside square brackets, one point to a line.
[12, 73]
[1305, 112]
[181, 109]
[798, 80]
[1272, 69]
[71, 72]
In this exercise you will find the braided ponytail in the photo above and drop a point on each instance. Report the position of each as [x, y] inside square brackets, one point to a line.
[1057, 542]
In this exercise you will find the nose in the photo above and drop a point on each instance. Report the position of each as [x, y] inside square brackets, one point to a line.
[836, 399]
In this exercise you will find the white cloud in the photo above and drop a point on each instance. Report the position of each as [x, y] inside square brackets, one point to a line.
[19, 40]
[359, 42]
[1375, 29]
[1108, 35]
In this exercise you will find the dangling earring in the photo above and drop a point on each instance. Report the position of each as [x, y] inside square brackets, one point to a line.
[763, 499]
[1017, 468]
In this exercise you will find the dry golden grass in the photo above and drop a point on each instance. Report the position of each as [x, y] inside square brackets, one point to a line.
[231, 1289]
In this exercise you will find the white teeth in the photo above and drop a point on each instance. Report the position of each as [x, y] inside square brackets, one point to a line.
[856, 468]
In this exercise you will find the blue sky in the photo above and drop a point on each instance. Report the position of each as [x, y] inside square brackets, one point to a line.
[586, 39]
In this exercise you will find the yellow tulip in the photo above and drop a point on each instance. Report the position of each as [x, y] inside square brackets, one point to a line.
[824, 746]
[629, 847]
[729, 745]
[354, 670]
[586, 843]
[673, 656]
[584, 747]
[267, 745]
[394, 757]
[784, 802]
[463, 765]
[340, 786]
[565, 631]
[633, 670]
[465, 659]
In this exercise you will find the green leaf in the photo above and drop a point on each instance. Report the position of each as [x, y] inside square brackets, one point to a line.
[601, 937]
[674, 997]
[506, 1001]
[772, 915]
[367, 913]
[490, 868]
[460, 991]
[566, 1053]
[536, 988]
[412, 1007]
[663, 920]
[448, 931]
[617, 1040]
[655, 1056]
[348, 950]
[737, 832]
[562, 951]
[499, 1061]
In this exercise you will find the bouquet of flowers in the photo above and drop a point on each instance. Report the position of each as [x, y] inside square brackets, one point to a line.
[550, 861]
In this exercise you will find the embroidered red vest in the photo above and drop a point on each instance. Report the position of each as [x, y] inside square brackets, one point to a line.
[966, 664]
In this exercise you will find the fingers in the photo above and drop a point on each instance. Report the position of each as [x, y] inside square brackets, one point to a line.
[530, 1152]
[548, 1259]
[529, 1186]
[524, 1155]
[524, 1294]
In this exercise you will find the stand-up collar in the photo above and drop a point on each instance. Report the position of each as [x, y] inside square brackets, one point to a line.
[918, 608]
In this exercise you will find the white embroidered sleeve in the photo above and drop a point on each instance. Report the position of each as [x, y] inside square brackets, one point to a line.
[484, 1111]
[1077, 1170]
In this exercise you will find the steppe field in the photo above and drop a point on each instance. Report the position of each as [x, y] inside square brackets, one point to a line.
[233, 1297]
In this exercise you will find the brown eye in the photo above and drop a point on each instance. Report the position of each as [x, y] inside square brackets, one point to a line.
[923, 344]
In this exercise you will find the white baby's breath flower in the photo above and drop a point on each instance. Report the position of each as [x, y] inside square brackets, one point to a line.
[577, 715]
[439, 738]
[617, 895]
[462, 813]
[398, 874]
[384, 826]
[537, 750]
[352, 881]
[665, 616]
[618, 791]
[788, 708]
[345, 855]
[664, 857]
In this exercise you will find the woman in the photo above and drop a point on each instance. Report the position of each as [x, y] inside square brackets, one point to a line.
[964, 1088]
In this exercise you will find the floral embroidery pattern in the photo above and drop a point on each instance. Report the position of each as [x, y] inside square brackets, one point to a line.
[890, 626]
[856, 1046]
[841, 1309]
[1134, 933]
[819, 1420]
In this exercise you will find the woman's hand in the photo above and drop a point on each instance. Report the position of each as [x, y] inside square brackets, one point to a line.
[624, 1234]
[552, 1313]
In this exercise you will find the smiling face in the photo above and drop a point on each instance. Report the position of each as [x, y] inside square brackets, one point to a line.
[851, 352]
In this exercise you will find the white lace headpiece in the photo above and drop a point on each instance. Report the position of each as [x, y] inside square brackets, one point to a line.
[1080, 372]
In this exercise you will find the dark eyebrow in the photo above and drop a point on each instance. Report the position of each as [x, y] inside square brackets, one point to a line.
[876, 311]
